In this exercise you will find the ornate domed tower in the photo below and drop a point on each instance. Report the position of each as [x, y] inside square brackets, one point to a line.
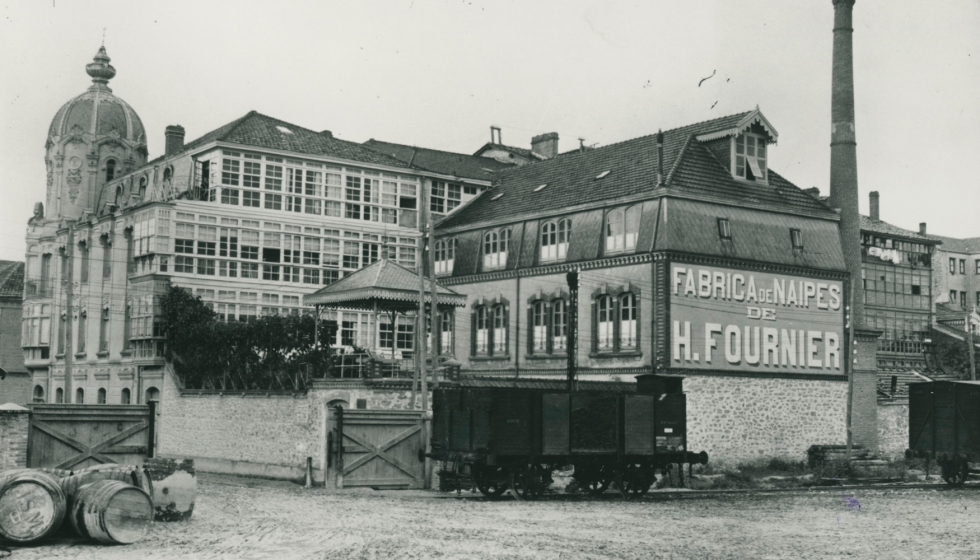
[93, 138]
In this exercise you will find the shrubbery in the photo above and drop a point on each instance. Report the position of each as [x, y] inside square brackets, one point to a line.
[269, 353]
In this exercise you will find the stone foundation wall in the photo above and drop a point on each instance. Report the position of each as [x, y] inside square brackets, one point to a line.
[737, 419]
[893, 429]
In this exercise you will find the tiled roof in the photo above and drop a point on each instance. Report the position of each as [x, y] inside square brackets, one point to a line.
[383, 280]
[261, 131]
[884, 228]
[572, 179]
[903, 376]
[438, 161]
[519, 151]
[968, 245]
[11, 280]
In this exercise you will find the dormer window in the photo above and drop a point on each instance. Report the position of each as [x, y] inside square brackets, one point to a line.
[750, 157]
[724, 229]
[796, 236]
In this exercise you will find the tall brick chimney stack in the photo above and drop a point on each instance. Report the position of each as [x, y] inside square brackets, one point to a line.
[843, 153]
[875, 210]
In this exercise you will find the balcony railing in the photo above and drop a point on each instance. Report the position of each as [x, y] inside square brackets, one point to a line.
[902, 346]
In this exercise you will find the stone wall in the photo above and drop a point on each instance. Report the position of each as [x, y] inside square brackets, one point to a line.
[739, 419]
[893, 429]
[266, 434]
[14, 425]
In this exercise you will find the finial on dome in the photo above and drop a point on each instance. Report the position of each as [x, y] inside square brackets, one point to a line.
[100, 69]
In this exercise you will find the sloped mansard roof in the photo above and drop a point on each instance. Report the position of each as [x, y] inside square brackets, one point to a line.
[629, 169]
[11, 280]
[463, 166]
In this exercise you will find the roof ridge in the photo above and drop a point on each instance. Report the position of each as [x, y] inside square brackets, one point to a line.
[414, 147]
[677, 160]
[235, 124]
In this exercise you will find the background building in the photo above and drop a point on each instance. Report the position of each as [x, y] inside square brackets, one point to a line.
[16, 383]
[695, 259]
[251, 217]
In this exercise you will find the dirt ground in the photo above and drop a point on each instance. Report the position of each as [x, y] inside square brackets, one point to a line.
[253, 519]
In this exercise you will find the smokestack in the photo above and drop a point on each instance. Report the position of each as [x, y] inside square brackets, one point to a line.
[922, 228]
[175, 139]
[660, 157]
[875, 215]
[545, 145]
[843, 153]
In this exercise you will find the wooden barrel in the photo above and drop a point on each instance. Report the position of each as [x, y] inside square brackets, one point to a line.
[57, 473]
[111, 512]
[130, 474]
[32, 505]
[174, 488]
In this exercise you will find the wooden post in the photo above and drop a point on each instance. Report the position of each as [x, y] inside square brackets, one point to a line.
[969, 343]
[423, 323]
[436, 317]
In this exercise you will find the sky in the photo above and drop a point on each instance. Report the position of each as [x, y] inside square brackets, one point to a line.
[439, 73]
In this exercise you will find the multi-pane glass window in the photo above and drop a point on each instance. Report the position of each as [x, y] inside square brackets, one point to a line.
[750, 157]
[446, 333]
[499, 330]
[897, 286]
[606, 320]
[627, 321]
[482, 331]
[622, 229]
[539, 322]
[554, 240]
[445, 255]
[495, 246]
[559, 325]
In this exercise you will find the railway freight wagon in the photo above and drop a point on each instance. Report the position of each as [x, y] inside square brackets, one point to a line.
[500, 434]
[944, 424]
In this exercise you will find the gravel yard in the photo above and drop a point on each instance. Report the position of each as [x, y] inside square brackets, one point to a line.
[246, 518]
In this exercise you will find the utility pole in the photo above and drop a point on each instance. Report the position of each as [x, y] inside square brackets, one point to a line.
[436, 317]
[969, 343]
[422, 338]
[571, 337]
[69, 304]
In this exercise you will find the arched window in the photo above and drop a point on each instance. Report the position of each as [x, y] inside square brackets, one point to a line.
[445, 255]
[142, 188]
[616, 320]
[559, 325]
[110, 170]
[168, 173]
[539, 324]
[79, 396]
[495, 246]
[100, 396]
[152, 394]
[627, 321]
[118, 195]
[482, 331]
[489, 325]
[446, 333]
[124, 397]
[554, 240]
[38, 394]
[499, 330]
[606, 322]
[622, 229]
[59, 395]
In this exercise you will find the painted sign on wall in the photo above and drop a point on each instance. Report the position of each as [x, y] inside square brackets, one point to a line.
[729, 319]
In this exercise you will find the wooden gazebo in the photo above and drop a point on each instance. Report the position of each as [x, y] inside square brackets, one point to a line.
[386, 287]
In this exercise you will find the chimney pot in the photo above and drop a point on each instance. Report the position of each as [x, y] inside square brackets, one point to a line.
[875, 209]
[813, 191]
[174, 139]
[922, 228]
[545, 145]
[327, 133]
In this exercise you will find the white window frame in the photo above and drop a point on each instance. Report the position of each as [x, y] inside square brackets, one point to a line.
[749, 151]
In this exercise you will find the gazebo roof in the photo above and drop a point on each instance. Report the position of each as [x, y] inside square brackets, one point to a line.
[385, 283]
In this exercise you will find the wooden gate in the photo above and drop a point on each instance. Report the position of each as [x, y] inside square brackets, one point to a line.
[74, 436]
[379, 448]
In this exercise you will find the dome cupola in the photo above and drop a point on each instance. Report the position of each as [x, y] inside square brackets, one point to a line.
[93, 138]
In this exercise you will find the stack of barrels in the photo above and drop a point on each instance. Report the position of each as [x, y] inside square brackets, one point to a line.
[108, 504]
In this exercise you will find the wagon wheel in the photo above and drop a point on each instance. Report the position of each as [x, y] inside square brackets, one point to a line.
[491, 482]
[529, 481]
[955, 471]
[594, 480]
[637, 479]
